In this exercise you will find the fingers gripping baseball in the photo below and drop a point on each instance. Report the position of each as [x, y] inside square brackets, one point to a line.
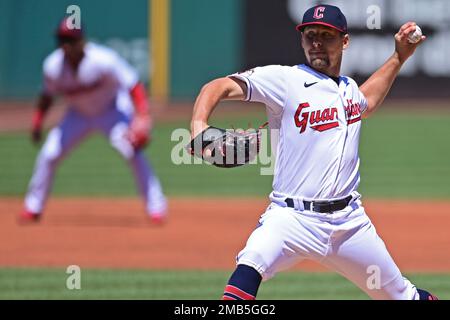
[406, 30]
[407, 39]
[139, 132]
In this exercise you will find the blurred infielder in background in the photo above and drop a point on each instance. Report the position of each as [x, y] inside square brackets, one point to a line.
[100, 89]
[315, 210]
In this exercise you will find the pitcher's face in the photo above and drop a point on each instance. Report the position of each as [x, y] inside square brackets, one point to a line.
[323, 48]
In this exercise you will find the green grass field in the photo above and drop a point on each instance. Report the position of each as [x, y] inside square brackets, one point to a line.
[187, 285]
[402, 155]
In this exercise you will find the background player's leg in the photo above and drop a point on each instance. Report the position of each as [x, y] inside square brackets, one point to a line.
[115, 125]
[149, 185]
[360, 255]
[59, 142]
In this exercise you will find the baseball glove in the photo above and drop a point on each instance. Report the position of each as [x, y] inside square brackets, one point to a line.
[226, 148]
[139, 132]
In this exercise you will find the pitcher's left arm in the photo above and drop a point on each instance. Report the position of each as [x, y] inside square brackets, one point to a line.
[378, 85]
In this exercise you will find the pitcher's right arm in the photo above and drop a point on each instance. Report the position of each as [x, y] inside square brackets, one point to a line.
[210, 95]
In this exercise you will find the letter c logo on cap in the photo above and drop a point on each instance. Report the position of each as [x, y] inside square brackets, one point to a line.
[318, 12]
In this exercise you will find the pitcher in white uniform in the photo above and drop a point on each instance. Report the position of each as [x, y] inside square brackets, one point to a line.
[315, 210]
[103, 93]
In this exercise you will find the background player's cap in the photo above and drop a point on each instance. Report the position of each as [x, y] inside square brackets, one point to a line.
[66, 31]
[326, 15]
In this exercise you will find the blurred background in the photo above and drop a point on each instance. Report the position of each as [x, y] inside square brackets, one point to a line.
[179, 45]
[203, 39]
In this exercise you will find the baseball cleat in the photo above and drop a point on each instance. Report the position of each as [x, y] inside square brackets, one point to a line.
[28, 217]
[425, 295]
[158, 218]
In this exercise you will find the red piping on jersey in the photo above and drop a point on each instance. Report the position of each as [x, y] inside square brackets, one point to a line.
[83, 88]
[353, 120]
[327, 126]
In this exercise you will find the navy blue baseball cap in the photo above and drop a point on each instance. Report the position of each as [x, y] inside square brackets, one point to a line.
[325, 15]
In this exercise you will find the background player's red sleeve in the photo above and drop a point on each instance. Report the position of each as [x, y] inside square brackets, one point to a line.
[43, 104]
[140, 101]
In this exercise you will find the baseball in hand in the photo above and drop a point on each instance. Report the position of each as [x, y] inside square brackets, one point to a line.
[415, 36]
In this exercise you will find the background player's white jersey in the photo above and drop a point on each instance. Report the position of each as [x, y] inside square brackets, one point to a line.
[319, 124]
[98, 98]
[102, 77]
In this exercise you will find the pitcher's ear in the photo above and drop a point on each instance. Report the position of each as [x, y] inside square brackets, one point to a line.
[346, 41]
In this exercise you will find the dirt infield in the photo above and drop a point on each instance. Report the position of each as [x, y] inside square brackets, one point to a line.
[114, 233]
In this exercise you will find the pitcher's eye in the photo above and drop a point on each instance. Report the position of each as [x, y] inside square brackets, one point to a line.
[310, 35]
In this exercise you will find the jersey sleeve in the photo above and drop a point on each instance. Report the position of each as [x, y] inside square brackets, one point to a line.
[265, 84]
[362, 101]
[358, 96]
[51, 67]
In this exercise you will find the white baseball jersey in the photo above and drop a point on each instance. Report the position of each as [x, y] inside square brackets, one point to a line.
[319, 125]
[102, 77]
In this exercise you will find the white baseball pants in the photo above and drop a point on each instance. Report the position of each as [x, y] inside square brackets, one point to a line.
[345, 241]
